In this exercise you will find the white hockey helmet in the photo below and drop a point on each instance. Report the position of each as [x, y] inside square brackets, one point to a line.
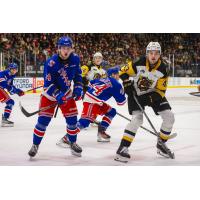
[97, 54]
[153, 46]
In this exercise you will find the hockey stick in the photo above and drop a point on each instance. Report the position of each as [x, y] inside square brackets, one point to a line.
[173, 135]
[170, 154]
[56, 112]
[27, 114]
[196, 94]
[33, 89]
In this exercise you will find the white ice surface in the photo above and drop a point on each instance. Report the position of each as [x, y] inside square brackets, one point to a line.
[16, 141]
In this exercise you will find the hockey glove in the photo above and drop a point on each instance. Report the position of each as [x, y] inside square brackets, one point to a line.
[149, 99]
[13, 90]
[129, 88]
[19, 92]
[77, 93]
[61, 98]
[124, 76]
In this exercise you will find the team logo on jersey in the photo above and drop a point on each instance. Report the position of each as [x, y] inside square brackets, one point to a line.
[64, 76]
[142, 71]
[51, 63]
[98, 89]
[144, 83]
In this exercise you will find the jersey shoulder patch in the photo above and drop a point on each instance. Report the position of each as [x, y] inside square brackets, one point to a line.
[52, 60]
[51, 63]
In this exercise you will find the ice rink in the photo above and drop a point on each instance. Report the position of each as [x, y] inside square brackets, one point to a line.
[16, 141]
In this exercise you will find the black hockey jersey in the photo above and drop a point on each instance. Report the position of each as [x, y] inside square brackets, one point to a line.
[157, 75]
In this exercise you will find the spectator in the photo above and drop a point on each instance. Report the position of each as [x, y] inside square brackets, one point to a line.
[114, 46]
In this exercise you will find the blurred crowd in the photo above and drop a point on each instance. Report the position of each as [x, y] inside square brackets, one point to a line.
[116, 48]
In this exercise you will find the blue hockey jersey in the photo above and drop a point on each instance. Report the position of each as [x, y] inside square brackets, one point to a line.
[59, 74]
[100, 90]
[6, 80]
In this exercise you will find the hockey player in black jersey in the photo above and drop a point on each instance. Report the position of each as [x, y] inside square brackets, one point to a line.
[149, 85]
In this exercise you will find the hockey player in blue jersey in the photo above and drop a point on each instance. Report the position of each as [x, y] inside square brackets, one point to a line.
[94, 103]
[59, 71]
[6, 83]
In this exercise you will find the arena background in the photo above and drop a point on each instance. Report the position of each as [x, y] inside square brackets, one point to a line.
[30, 50]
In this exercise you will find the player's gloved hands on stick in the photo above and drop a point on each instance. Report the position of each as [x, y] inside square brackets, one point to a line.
[61, 98]
[77, 94]
[13, 90]
[128, 87]
[19, 92]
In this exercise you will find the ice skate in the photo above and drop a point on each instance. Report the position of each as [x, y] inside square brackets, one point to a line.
[33, 151]
[122, 154]
[63, 142]
[75, 149]
[6, 123]
[102, 136]
[167, 153]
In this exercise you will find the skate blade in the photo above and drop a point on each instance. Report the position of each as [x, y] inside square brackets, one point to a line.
[94, 125]
[7, 125]
[31, 158]
[121, 159]
[103, 140]
[31, 155]
[62, 145]
[166, 155]
[75, 153]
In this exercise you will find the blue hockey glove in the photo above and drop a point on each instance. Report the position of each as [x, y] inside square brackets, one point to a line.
[19, 92]
[61, 99]
[77, 94]
[13, 90]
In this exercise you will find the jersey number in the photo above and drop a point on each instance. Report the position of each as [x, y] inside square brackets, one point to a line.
[99, 89]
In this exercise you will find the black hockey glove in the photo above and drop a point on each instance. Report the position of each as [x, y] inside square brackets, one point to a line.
[149, 99]
[129, 88]
[124, 76]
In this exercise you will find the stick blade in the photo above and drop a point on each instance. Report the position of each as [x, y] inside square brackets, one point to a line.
[196, 94]
[173, 135]
[27, 114]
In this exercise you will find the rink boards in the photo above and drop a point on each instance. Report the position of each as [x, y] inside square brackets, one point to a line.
[26, 83]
